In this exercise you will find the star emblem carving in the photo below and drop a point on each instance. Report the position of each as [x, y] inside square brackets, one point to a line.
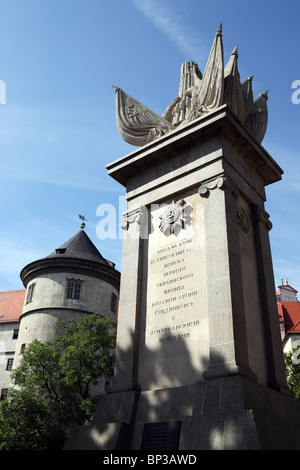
[173, 218]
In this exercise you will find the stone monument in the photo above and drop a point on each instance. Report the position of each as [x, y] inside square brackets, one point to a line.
[199, 362]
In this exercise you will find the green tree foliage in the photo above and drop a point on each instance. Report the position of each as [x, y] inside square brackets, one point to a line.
[292, 362]
[54, 385]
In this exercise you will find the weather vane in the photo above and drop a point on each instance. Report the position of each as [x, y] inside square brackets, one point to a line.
[82, 217]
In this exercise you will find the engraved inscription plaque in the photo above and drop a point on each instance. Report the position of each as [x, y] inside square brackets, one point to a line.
[161, 436]
[174, 327]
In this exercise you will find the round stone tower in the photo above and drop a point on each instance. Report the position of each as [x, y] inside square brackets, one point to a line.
[73, 281]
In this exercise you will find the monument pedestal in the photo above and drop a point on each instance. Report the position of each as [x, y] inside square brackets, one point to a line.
[228, 413]
[199, 361]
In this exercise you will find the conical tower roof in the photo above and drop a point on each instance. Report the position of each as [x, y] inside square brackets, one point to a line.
[79, 247]
[79, 255]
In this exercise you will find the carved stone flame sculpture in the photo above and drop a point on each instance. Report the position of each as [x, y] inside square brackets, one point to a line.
[198, 95]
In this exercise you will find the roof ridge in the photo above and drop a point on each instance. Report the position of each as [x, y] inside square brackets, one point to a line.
[293, 327]
[11, 291]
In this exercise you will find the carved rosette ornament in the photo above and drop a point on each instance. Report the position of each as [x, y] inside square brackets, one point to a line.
[173, 218]
[197, 96]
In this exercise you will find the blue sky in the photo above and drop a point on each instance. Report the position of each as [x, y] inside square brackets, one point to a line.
[59, 60]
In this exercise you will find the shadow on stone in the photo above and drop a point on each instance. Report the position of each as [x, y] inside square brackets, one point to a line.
[225, 413]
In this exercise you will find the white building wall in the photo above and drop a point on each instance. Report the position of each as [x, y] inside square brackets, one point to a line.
[50, 291]
[7, 351]
[287, 294]
[49, 304]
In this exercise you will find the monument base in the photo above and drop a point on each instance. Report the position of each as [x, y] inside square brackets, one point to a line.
[228, 413]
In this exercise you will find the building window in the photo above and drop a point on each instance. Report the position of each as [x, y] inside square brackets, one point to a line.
[73, 289]
[23, 347]
[60, 251]
[30, 290]
[9, 364]
[3, 393]
[15, 334]
[114, 303]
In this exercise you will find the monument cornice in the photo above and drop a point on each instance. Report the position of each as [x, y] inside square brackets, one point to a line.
[222, 121]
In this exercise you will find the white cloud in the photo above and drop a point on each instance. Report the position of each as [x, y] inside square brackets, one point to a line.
[165, 19]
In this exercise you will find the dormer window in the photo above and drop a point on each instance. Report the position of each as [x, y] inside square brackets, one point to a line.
[74, 288]
[60, 251]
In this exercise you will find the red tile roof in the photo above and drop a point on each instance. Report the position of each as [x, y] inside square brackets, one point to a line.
[280, 311]
[11, 305]
[289, 312]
